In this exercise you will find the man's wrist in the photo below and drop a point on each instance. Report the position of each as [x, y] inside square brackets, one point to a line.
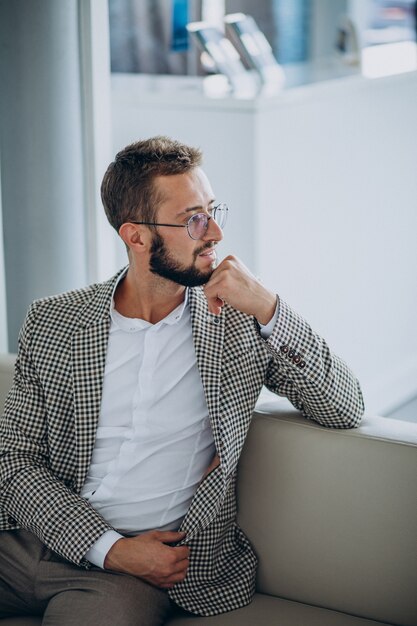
[99, 550]
[266, 329]
[268, 308]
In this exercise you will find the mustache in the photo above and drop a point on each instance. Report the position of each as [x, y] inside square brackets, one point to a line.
[206, 246]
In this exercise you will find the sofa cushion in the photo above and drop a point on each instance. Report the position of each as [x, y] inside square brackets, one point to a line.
[270, 611]
[263, 611]
[21, 621]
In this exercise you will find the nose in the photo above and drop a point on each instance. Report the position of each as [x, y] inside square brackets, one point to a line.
[213, 232]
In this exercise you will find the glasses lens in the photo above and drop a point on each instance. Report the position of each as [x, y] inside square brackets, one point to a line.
[220, 214]
[197, 225]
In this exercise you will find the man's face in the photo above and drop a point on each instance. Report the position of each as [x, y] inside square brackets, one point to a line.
[174, 255]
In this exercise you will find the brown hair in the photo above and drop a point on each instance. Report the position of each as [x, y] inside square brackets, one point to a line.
[127, 190]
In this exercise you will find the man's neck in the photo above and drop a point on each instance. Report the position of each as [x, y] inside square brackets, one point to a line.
[148, 296]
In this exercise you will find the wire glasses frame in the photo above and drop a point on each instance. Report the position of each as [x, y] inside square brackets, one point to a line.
[197, 225]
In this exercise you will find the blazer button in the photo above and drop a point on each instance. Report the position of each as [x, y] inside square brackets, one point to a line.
[297, 358]
[291, 353]
[302, 364]
[11, 520]
[284, 349]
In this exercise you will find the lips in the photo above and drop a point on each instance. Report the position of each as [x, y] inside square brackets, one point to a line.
[208, 250]
[210, 254]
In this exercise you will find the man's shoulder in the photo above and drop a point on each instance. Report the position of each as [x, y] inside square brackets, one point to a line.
[70, 306]
[74, 297]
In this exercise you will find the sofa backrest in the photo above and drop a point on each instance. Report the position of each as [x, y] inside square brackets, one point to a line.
[332, 514]
[6, 376]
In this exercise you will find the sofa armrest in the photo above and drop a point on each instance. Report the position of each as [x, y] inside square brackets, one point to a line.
[332, 514]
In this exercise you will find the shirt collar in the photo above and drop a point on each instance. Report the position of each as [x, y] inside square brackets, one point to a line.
[133, 324]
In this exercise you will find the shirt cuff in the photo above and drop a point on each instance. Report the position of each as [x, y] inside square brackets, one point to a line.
[98, 551]
[266, 331]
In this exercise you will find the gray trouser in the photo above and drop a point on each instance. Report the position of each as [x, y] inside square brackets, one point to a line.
[36, 581]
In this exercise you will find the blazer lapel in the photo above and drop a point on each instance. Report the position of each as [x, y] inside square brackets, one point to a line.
[88, 353]
[208, 334]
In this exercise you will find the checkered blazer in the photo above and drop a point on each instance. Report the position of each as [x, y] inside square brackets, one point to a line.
[51, 415]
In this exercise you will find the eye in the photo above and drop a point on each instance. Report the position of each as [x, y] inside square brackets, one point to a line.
[198, 218]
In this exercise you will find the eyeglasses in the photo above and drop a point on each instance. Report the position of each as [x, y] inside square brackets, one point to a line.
[197, 225]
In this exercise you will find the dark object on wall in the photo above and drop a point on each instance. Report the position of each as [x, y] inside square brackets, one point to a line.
[347, 44]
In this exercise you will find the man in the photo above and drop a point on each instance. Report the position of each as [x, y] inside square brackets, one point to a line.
[130, 406]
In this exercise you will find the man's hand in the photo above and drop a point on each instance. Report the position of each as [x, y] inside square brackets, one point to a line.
[148, 557]
[233, 283]
[215, 463]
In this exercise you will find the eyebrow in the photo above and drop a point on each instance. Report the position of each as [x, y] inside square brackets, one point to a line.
[195, 208]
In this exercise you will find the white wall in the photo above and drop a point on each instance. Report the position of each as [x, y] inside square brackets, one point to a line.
[323, 193]
[3, 308]
[340, 198]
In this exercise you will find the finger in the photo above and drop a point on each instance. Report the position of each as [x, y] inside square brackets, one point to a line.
[181, 566]
[169, 536]
[215, 305]
[173, 575]
[215, 463]
[174, 569]
[228, 261]
[181, 553]
[214, 302]
[168, 583]
[214, 292]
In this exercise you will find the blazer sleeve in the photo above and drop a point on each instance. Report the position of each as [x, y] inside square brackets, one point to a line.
[30, 493]
[303, 369]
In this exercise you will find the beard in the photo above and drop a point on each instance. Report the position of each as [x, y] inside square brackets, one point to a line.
[162, 264]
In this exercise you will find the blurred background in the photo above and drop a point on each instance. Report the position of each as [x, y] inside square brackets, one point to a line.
[318, 169]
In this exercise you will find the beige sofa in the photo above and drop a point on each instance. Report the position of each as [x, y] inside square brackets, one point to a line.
[332, 515]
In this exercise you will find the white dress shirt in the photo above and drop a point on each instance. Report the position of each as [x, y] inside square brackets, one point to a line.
[154, 440]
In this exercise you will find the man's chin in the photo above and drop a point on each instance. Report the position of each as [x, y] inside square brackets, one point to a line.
[204, 278]
[190, 278]
[193, 279]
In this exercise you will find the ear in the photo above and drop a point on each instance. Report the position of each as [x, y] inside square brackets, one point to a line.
[137, 238]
